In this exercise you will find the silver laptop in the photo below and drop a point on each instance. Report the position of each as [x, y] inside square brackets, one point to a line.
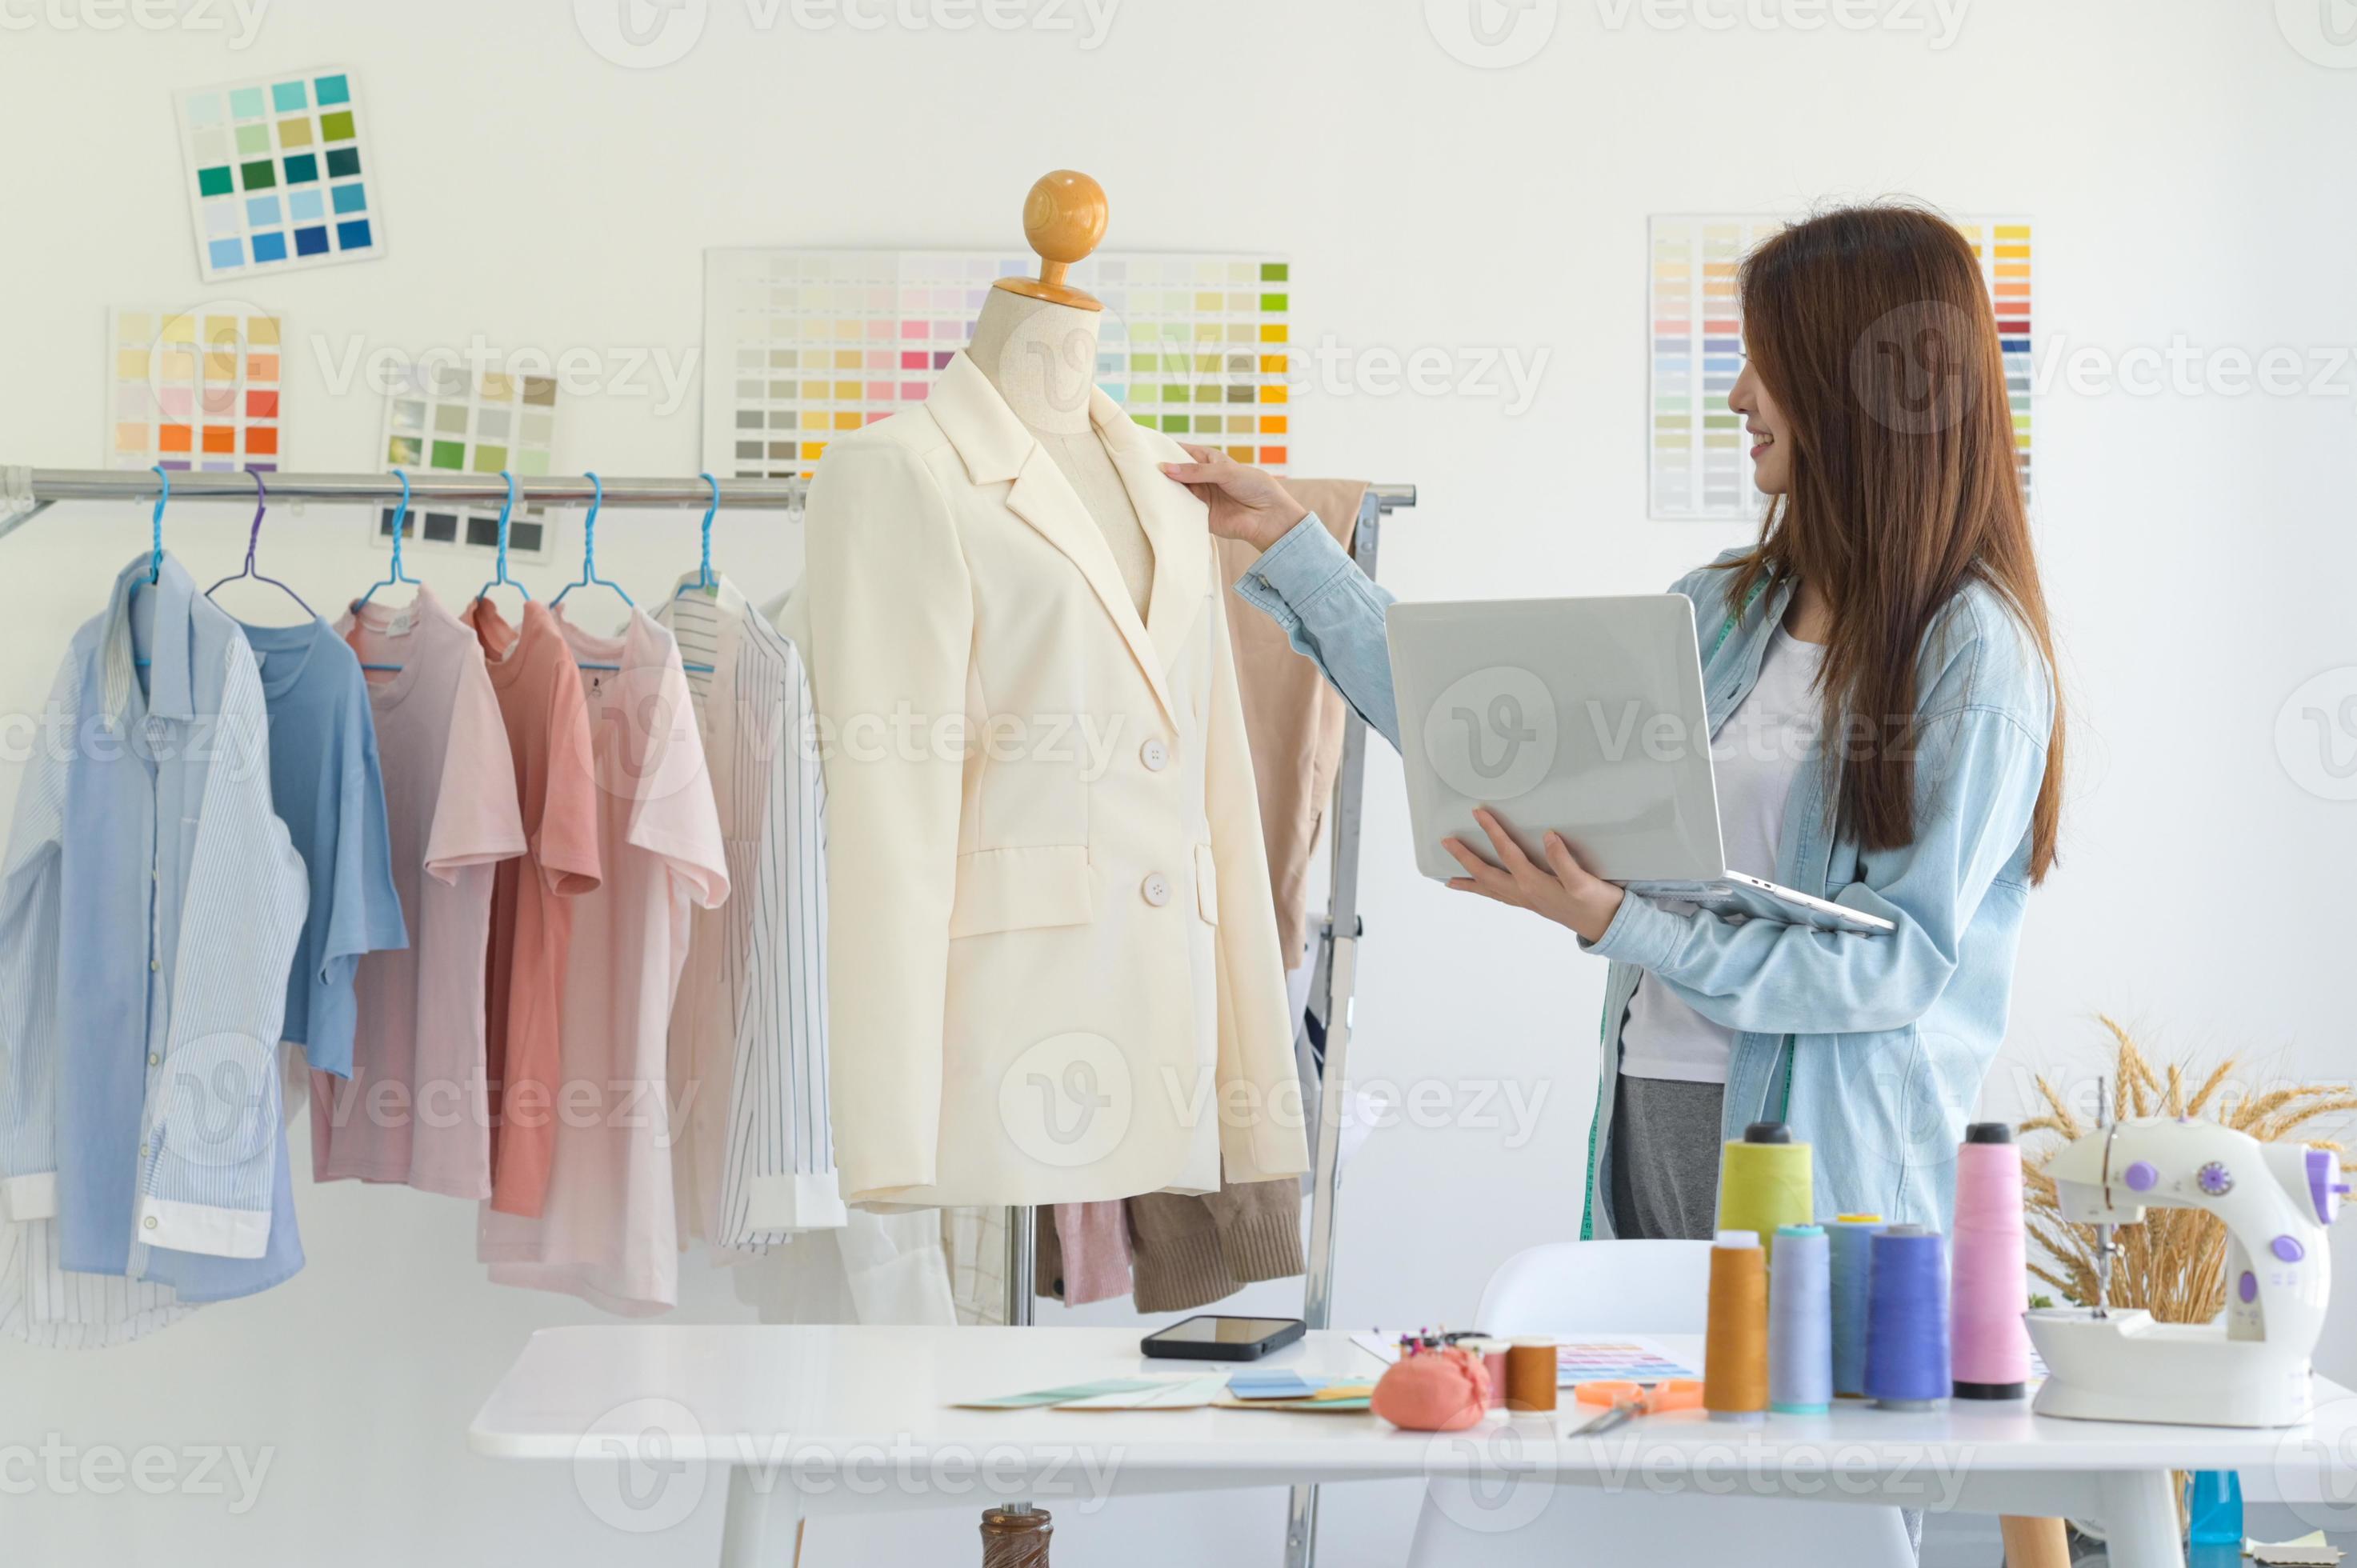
[1585, 716]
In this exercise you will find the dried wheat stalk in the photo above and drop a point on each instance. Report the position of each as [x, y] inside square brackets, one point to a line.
[2174, 1265]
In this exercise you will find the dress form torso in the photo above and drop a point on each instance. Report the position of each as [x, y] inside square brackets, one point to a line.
[1041, 357]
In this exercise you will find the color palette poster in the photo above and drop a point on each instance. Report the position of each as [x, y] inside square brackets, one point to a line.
[197, 388]
[443, 416]
[1699, 463]
[801, 347]
[280, 174]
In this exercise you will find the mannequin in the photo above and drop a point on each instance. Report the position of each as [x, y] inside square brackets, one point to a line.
[1036, 341]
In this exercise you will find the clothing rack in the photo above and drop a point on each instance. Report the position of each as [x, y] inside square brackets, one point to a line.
[1333, 977]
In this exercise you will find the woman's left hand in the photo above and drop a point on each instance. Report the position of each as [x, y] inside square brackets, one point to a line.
[1562, 890]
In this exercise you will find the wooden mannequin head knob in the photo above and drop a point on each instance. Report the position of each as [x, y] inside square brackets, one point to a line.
[1063, 218]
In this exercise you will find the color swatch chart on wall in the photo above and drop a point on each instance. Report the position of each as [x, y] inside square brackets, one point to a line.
[279, 173]
[1701, 466]
[802, 347]
[197, 388]
[2006, 248]
[1698, 458]
[451, 417]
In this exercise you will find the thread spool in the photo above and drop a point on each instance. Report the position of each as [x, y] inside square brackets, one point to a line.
[1735, 1345]
[1801, 1322]
[1530, 1375]
[1850, 1244]
[1765, 1181]
[1906, 1319]
[1989, 1275]
[1492, 1353]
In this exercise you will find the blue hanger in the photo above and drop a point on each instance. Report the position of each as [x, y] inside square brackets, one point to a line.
[252, 542]
[156, 560]
[503, 579]
[704, 581]
[589, 561]
[399, 526]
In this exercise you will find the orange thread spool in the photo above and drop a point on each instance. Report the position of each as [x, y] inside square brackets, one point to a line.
[1530, 1375]
[1735, 1347]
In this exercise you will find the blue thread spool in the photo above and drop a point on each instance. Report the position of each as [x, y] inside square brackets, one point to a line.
[1801, 1322]
[1906, 1319]
[1851, 1241]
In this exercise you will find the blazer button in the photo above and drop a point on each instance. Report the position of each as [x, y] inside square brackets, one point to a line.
[1157, 889]
[1154, 755]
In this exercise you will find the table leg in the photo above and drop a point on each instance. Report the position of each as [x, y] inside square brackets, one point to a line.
[2140, 1509]
[762, 1528]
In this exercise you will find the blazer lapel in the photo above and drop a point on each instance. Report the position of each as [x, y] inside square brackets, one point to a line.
[1175, 525]
[1043, 497]
[996, 448]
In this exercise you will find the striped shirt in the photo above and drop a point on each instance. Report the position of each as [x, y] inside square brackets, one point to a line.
[754, 1161]
[149, 906]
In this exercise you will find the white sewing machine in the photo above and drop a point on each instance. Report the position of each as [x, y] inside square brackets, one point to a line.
[2250, 1370]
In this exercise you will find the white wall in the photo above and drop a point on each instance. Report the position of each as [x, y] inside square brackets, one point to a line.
[2185, 164]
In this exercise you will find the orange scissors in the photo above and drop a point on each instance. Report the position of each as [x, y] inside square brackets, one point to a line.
[1625, 1400]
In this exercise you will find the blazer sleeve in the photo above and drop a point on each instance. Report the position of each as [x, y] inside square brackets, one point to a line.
[1261, 1131]
[891, 623]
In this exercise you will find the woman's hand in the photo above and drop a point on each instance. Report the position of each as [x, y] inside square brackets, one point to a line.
[1249, 504]
[1562, 890]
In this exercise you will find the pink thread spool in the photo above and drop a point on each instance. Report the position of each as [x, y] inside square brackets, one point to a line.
[1990, 1271]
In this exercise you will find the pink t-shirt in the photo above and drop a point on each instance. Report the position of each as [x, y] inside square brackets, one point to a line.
[532, 897]
[414, 1109]
[609, 1231]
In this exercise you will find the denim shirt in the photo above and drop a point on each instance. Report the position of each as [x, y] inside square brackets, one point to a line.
[1873, 1047]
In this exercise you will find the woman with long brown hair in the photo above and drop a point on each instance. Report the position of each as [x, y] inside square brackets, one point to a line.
[1885, 728]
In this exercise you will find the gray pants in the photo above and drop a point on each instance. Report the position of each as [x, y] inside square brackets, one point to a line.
[1665, 1159]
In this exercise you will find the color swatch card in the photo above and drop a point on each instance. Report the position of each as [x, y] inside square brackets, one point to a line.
[1698, 458]
[802, 347]
[1632, 1360]
[279, 173]
[198, 388]
[449, 417]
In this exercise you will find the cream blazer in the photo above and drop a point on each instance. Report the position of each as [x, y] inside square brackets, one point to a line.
[1054, 973]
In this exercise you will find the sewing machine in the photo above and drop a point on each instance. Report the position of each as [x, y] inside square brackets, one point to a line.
[2249, 1369]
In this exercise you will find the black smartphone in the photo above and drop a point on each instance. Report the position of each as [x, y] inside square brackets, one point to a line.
[1210, 1338]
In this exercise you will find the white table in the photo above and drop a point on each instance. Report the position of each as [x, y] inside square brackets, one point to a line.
[796, 1421]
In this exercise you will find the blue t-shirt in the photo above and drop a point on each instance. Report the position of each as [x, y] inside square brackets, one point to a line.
[325, 787]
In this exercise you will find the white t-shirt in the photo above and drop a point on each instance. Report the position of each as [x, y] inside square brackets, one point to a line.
[1765, 743]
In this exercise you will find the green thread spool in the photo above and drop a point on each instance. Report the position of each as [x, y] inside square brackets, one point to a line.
[1765, 1180]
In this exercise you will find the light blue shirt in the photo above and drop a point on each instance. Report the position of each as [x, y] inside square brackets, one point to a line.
[1872, 1047]
[149, 905]
[327, 786]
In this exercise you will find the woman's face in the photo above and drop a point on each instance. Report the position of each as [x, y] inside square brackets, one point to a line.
[1763, 422]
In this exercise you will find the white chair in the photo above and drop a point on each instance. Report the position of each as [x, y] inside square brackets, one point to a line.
[1573, 1288]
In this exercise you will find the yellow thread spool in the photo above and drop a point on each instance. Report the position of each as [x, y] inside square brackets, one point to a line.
[1764, 1181]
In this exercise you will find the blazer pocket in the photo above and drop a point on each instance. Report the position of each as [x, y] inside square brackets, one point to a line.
[1021, 889]
[1207, 884]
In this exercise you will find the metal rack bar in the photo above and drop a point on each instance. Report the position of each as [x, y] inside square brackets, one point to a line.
[1333, 984]
[53, 484]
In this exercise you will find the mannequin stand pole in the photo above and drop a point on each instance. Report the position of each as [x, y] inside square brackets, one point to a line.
[1015, 1534]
